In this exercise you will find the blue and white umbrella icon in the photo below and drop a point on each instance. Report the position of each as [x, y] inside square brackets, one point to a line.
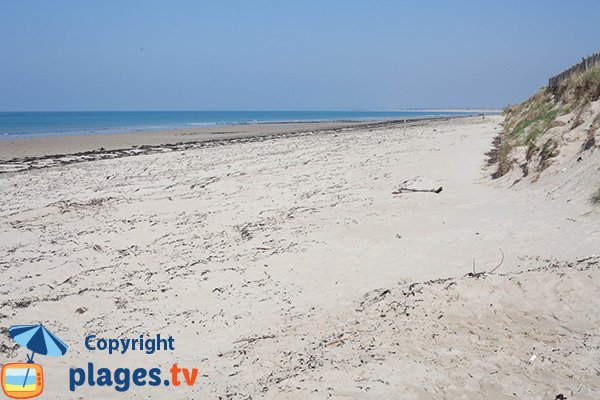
[39, 340]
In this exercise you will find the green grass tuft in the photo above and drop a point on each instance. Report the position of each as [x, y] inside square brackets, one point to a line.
[591, 76]
[533, 135]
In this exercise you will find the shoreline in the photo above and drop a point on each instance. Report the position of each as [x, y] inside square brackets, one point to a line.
[183, 129]
[41, 152]
[17, 125]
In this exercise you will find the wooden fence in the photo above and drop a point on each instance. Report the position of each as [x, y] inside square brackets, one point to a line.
[584, 65]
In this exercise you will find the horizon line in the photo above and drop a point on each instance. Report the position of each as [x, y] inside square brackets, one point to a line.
[427, 109]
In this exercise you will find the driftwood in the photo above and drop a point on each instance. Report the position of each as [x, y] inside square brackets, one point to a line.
[254, 339]
[408, 190]
[340, 340]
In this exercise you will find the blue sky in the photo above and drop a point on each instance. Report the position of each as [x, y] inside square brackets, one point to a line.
[285, 55]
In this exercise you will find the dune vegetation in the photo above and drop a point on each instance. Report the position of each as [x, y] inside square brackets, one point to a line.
[526, 125]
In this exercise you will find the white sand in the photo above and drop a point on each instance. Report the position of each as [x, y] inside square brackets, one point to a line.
[295, 240]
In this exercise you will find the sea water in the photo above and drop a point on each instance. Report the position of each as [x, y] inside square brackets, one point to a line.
[27, 124]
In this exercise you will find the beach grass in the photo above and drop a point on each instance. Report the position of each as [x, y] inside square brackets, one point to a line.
[526, 123]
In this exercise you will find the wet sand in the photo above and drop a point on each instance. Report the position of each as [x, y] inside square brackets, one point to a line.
[52, 145]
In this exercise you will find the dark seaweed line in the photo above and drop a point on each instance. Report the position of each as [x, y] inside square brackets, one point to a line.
[55, 160]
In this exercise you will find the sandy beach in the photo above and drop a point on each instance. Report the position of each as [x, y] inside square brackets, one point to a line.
[45, 145]
[299, 264]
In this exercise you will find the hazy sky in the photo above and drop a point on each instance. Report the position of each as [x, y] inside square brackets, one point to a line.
[285, 55]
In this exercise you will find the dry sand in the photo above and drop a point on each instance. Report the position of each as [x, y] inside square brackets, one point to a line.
[285, 268]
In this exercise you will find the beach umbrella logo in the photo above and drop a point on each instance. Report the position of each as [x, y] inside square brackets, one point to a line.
[26, 380]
